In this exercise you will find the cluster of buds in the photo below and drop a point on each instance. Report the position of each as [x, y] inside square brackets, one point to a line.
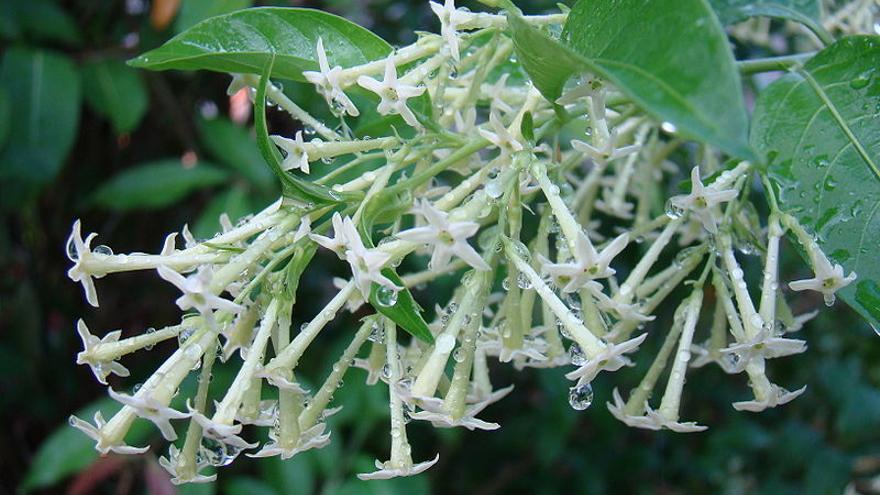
[533, 225]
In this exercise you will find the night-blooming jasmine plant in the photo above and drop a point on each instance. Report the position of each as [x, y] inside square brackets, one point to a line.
[542, 198]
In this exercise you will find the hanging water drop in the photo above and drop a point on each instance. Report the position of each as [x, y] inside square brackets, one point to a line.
[580, 397]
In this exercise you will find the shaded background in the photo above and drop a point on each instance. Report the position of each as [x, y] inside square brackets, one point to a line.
[73, 117]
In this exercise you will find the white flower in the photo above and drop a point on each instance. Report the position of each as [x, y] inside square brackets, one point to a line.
[152, 410]
[79, 252]
[609, 151]
[366, 264]
[393, 93]
[827, 278]
[776, 396]
[312, 438]
[295, 156]
[585, 88]
[101, 369]
[766, 345]
[195, 291]
[446, 237]
[224, 433]
[702, 201]
[588, 264]
[651, 420]
[178, 477]
[386, 471]
[450, 18]
[496, 92]
[703, 355]
[327, 82]
[433, 412]
[338, 242]
[501, 137]
[610, 359]
[104, 443]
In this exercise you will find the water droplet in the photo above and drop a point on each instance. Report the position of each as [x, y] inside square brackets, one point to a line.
[668, 127]
[386, 371]
[580, 397]
[102, 249]
[458, 355]
[494, 189]
[377, 334]
[386, 296]
[576, 355]
[673, 211]
[523, 282]
[861, 80]
[184, 335]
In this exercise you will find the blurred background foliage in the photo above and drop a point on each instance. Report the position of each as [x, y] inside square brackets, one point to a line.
[138, 154]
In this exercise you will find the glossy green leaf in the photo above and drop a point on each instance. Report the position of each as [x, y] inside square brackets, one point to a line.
[819, 131]
[67, 450]
[244, 41]
[115, 91]
[733, 11]
[806, 12]
[44, 94]
[156, 184]
[235, 146]
[195, 11]
[679, 68]
[292, 186]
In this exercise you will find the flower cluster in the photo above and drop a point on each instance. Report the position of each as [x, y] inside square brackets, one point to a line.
[534, 227]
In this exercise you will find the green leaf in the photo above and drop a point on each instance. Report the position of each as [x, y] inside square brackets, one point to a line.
[194, 11]
[234, 146]
[156, 184]
[733, 11]
[292, 186]
[819, 130]
[679, 68]
[45, 95]
[244, 41]
[115, 91]
[806, 12]
[67, 450]
[405, 311]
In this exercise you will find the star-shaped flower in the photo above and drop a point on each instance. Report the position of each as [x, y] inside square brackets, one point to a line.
[776, 396]
[152, 410]
[338, 242]
[101, 369]
[296, 156]
[104, 444]
[366, 264]
[610, 359]
[195, 291]
[765, 345]
[827, 278]
[499, 135]
[450, 18]
[433, 412]
[447, 238]
[227, 434]
[80, 251]
[588, 263]
[386, 471]
[607, 152]
[393, 93]
[178, 475]
[328, 84]
[651, 420]
[312, 438]
[702, 201]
